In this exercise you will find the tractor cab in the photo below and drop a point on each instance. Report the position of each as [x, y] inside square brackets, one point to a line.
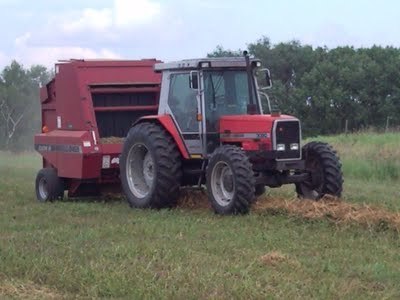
[217, 101]
[197, 93]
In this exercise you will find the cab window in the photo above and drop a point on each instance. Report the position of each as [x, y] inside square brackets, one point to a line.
[182, 102]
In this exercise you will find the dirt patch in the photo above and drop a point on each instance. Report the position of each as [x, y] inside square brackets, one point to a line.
[27, 290]
[193, 199]
[334, 210]
[275, 258]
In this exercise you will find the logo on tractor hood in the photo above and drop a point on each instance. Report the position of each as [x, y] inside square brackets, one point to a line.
[250, 135]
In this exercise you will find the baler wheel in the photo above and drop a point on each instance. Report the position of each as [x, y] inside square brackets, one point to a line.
[230, 181]
[150, 167]
[325, 169]
[49, 186]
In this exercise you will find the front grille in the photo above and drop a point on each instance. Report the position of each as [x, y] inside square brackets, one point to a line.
[287, 132]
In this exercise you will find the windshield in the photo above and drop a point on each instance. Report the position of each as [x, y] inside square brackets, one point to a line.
[226, 93]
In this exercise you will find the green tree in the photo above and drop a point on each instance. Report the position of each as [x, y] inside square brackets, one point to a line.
[327, 88]
[19, 105]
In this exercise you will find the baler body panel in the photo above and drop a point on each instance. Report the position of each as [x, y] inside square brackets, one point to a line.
[89, 101]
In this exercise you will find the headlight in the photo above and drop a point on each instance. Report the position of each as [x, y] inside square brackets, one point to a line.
[294, 146]
[280, 147]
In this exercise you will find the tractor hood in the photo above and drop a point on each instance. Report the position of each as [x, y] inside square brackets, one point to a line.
[245, 124]
[256, 132]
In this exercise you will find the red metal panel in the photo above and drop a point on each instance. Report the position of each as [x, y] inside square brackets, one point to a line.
[67, 152]
[167, 122]
[249, 124]
[43, 94]
[126, 108]
[123, 89]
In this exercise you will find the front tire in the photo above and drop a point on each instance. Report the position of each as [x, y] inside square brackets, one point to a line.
[150, 167]
[230, 181]
[48, 185]
[325, 169]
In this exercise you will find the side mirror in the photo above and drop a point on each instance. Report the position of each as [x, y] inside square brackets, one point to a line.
[268, 81]
[194, 80]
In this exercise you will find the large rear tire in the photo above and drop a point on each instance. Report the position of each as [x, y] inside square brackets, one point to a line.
[48, 185]
[325, 169]
[230, 181]
[150, 167]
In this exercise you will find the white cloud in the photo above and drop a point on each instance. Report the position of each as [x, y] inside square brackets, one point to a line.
[124, 14]
[3, 60]
[135, 12]
[136, 28]
[23, 39]
[29, 51]
[89, 19]
[49, 55]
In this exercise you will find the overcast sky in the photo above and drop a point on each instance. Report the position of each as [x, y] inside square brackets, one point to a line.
[43, 31]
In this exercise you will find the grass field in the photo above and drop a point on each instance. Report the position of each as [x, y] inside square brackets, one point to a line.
[105, 249]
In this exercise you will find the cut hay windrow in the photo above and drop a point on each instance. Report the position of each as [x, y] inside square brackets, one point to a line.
[334, 210]
[328, 208]
[27, 290]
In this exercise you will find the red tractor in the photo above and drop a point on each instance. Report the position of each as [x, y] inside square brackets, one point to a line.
[188, 123]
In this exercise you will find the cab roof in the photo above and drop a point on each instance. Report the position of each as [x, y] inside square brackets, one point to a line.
[214, 62]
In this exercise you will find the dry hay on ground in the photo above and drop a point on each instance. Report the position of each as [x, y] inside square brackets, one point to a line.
[274, 258]
[334, 210]
[329, 208]
[27, 290]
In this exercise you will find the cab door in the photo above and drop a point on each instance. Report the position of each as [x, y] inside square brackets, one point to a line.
[184, 103]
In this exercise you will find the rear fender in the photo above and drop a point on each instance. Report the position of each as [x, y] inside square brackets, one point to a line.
[169, 125]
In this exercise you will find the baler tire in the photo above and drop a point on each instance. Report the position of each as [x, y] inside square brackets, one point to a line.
[48, 186]
[164, 189]
[260, 190]
[330, 172]
[233, 159]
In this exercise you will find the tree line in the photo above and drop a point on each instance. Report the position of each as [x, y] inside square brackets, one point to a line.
[329, 90]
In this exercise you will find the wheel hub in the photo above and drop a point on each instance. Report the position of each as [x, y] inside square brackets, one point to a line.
[148, 169]
[222, 183]
[227, 180]
[43, 189]
[312, 188]
[140, 170]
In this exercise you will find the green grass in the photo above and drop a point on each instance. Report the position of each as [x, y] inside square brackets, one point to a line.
[105, 249]
[368, 156]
